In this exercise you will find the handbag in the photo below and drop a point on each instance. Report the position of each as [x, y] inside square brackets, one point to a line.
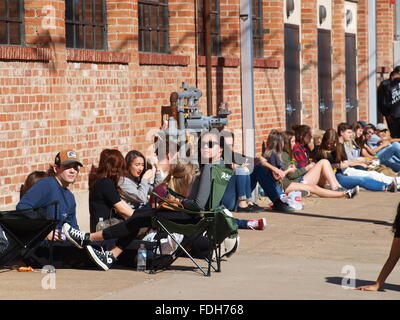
[169, 205]
[111, 221]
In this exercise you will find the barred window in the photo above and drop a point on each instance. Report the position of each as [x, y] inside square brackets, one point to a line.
[153, 26]
[258, 34]
[86, 24]
[215, 29]
[11, 22]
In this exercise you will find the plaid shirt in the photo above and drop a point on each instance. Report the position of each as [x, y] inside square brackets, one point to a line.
[301, 154]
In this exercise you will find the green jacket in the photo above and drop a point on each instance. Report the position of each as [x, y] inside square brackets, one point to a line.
[286, 162]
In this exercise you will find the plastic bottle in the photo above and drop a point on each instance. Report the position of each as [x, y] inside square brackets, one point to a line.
[101, 225]
[141, 258]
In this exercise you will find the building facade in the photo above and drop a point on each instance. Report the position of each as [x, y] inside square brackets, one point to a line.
[95, 74]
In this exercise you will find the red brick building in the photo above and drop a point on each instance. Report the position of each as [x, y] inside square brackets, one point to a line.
[104, 87]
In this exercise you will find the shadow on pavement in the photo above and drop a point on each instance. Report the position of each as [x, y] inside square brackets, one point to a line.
[358, 283]
[313, 215]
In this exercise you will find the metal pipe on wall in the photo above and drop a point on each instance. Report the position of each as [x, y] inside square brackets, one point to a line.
[207, 48]
[372, 85]
[247, 79]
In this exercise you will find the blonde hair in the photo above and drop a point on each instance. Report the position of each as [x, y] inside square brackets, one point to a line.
[179, 178]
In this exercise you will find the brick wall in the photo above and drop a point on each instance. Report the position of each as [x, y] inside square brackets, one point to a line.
[52, 98]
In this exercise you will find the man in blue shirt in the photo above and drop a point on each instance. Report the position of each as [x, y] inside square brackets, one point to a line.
[387, 150]
[55, 187]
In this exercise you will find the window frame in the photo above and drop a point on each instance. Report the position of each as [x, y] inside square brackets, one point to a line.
[201, 32]
[21, 22]
[92, 23]
[164, 28]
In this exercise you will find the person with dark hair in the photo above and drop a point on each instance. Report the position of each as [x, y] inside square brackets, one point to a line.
[391, 261]
[388, 152]
[104, 199]
[55, 187]
[137, 185]
[334, 151]
[305, 178]
[30, 180]
[388, 101]
[248, 172]
[301, 151]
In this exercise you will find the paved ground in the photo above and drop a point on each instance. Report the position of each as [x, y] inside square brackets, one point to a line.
[298, 256]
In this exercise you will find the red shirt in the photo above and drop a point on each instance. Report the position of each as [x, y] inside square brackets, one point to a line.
[302, 154]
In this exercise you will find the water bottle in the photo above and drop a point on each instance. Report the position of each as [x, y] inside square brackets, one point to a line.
[141, 258]
[101, 225]
[261, 192]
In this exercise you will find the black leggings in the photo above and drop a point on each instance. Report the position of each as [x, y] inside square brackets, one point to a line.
[126, 231]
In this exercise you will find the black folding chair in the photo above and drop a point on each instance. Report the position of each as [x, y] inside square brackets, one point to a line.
[25, 229]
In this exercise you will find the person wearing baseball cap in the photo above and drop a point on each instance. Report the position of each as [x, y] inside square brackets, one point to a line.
[381, 127]
[55, 187]
[67, 157]
[387, 150]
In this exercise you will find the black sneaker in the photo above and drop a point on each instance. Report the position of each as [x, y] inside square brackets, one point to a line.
[256, 207]
[351, 193]
[248, 209]
[104, 259]
[79, 238]
[279, 206]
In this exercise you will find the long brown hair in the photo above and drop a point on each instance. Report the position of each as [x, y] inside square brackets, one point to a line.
[300, 131]
[111, 166]
[30, 180]
[331, 135]
[287, 137]
[130, 156]
[275, 143]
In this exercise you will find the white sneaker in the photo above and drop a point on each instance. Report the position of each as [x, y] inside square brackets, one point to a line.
[228, 247]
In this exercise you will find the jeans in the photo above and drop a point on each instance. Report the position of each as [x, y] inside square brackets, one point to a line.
[368, 183]
[390, 156]
[241, 185]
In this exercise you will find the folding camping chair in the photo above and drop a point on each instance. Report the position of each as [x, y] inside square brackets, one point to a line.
[217, 224]
[25, 229]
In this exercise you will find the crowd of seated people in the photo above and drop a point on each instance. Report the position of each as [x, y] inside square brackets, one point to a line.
[328, 164]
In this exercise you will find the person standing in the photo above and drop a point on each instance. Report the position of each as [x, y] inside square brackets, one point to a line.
[391, 261]
[388, 101]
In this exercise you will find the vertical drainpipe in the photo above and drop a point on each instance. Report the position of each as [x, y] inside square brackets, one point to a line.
[372, 61]
[396, 44]
[207, 48]
[246, 64]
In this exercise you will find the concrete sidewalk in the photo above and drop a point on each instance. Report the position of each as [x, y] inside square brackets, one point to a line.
[298, 256]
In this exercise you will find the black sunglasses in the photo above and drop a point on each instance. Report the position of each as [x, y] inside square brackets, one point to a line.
[210, 144]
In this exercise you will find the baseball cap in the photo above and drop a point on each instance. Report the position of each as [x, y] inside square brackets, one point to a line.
[67, 157]
[381, 127]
